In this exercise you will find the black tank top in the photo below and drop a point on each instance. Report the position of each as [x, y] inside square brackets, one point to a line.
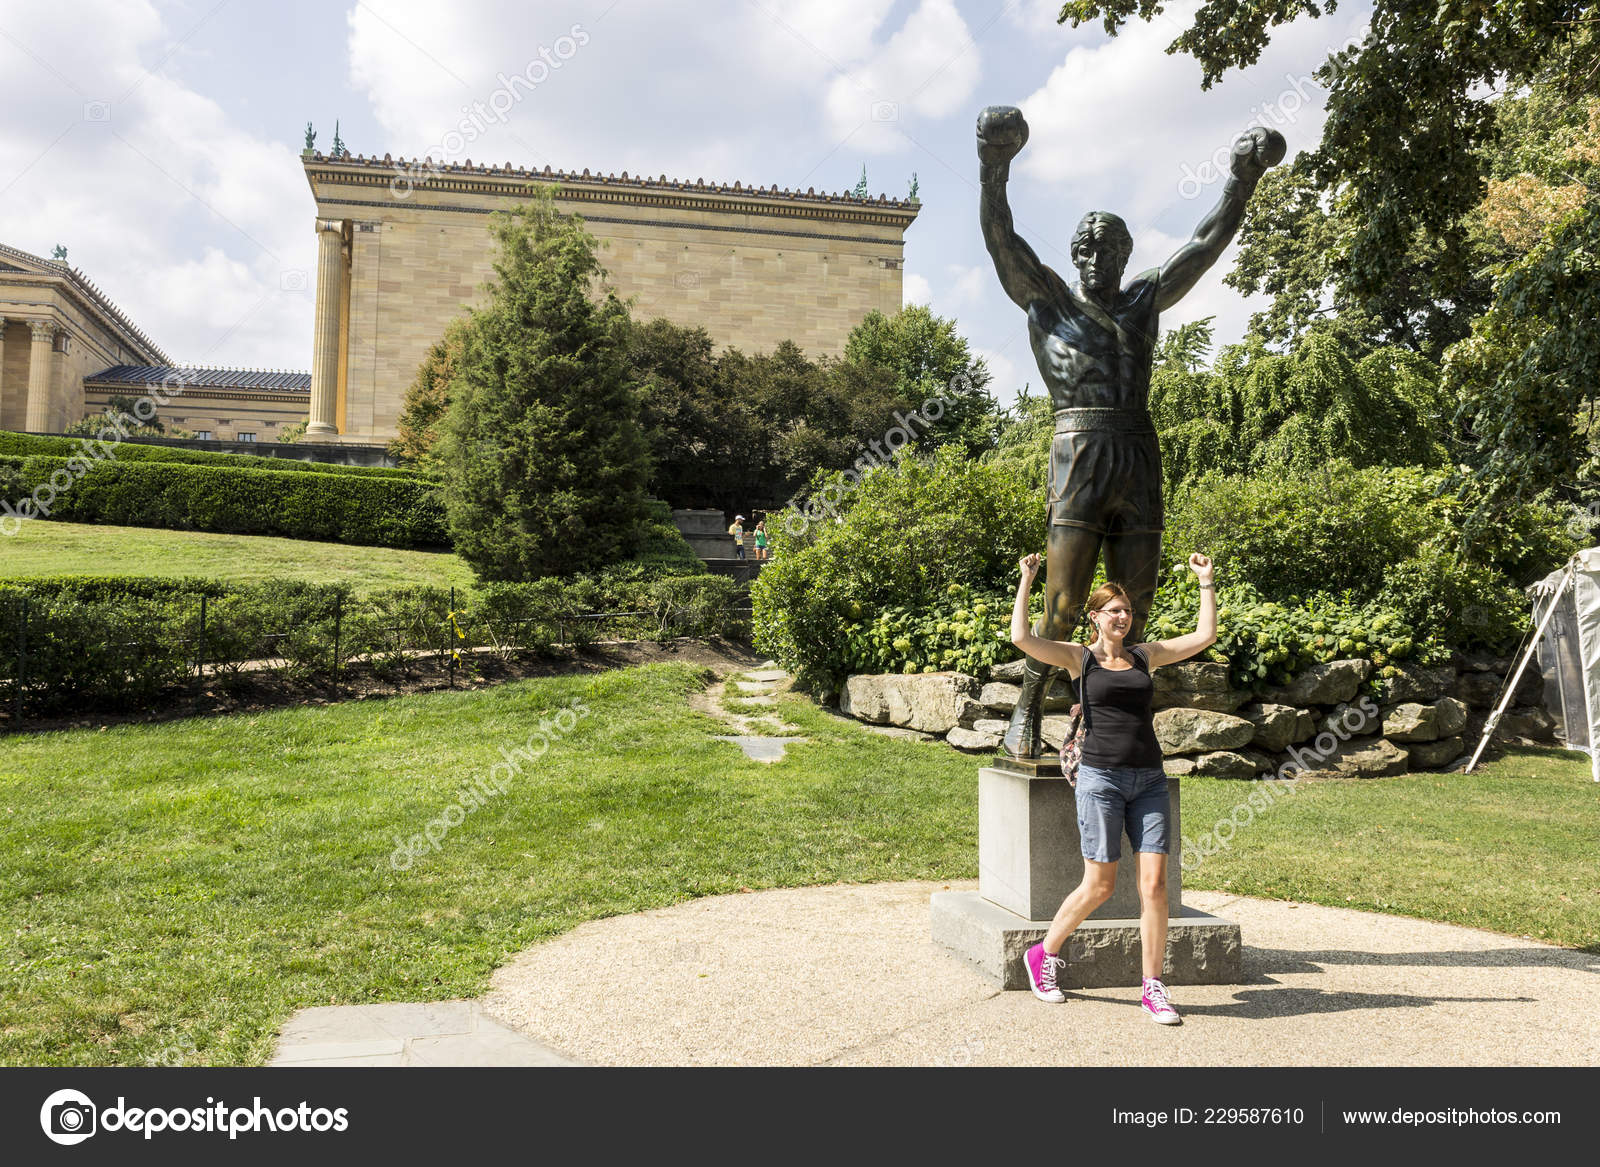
[1122, 729]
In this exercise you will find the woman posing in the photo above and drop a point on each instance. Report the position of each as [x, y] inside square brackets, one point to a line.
[1121, 784]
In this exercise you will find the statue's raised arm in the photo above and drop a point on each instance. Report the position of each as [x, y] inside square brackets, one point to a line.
[1001, 134]
[1256, 151]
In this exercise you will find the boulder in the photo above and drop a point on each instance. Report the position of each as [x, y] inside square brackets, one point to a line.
[1364, 757]
[991, 725]
[1054, 730]
[1483, 690]
[1416, 683]
[1275, 724]
[1325, 684]
[1473, 730]
[1346, 720]
[1217, 764]
[1002, 696]
[1450, 716]
[1432, 755]
[1528, 722]
[1195, 731]
[931, 702]
[1224, 764]
[999, 696]
[1479, 661]
[1263, 762]
[895, 731]
[1478, 689]
[1010, 672]
[1411, 722]
[1305, 725]
[972, 741]
[1530, 686]
[1197, 685]
[1062, 697]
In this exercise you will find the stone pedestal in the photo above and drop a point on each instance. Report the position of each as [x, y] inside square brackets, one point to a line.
[1028, 854]
[1201, 949]
[1029, 860]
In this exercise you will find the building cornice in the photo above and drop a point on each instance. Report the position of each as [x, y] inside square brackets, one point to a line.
[293, 396]
[864, 240]
[421, 176]
[92, 299]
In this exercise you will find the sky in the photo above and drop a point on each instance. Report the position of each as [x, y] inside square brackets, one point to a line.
[160, 141]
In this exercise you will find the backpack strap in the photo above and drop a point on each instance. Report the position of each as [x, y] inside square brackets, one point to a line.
[1083, 688]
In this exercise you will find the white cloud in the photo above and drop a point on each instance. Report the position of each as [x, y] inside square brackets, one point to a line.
[968, 284]
[1123, 114]
[916, 290]
[182, 219]
[187, 212]
[928, 68]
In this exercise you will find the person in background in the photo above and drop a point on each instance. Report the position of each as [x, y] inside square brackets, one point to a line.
[761, 541]
[737, 531]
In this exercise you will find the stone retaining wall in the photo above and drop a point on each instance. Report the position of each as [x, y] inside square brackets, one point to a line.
[1425, 718]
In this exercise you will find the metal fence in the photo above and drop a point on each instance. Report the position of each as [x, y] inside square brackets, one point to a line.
[62, 659]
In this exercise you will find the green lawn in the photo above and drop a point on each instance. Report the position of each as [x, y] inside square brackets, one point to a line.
[48, 548]
[173, 892]
[192, 884]
[1513, 847]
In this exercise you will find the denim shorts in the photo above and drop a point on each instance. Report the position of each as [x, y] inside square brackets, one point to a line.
[1111, 798]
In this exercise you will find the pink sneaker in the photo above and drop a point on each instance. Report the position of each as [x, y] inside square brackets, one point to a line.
[1156, 1005]
[1041, 967]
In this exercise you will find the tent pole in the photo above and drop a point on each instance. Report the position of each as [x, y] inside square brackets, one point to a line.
[1511, 685]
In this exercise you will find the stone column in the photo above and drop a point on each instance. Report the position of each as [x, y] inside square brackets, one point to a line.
[325, 353]
[41, 364]
[3, 410]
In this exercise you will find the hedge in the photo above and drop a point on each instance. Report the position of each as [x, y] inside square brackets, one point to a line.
[78, 644]
[914, 569]
[22, 445]
[336, 508]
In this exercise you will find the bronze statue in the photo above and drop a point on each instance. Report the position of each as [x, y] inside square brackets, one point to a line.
[1094, 343]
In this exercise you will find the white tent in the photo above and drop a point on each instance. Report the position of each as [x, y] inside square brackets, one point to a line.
[1566, 614]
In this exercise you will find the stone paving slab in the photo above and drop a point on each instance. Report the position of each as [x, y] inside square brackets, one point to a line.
[435, 1033]
[848, 975]
[760, 749]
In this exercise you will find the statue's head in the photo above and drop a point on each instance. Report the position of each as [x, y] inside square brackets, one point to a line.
[1100, 249]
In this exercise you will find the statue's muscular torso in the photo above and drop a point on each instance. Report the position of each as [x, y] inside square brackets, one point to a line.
[1084, 362]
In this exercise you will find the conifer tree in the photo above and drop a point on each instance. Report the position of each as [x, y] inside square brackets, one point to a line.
[543, 457]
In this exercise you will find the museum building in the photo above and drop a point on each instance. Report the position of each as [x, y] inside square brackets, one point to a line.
[404, 248]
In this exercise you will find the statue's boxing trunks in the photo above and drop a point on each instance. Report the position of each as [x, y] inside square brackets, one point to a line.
[1105, 471]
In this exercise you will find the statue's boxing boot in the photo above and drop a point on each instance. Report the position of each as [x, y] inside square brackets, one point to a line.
[1024, 737]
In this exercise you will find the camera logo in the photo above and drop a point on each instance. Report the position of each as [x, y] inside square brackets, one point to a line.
[293, 280]
[97, 111]
[68, 1117]
[885, 111]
